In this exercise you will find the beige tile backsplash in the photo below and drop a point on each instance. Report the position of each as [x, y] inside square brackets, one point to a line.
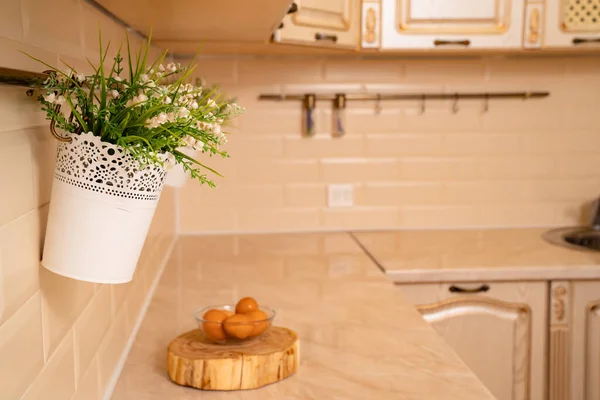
[59, 338]
[522, 163]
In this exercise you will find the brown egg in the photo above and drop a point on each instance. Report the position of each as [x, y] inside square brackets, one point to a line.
[262, 325]
[246, 305]
[213, 325]
[238, 326]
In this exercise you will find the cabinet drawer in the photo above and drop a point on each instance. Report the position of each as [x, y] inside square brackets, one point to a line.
[498, 329]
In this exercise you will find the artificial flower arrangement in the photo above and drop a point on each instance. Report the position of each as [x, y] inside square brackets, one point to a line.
[139, 111]
[124, 128]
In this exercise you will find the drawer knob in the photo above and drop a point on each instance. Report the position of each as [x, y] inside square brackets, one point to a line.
[458, 289]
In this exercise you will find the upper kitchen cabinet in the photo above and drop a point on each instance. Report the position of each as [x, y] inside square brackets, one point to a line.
[183, 26]
[573, 23]
[322, 23]
[479, 24]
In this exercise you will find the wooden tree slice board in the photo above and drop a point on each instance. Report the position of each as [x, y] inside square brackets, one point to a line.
[196, 362]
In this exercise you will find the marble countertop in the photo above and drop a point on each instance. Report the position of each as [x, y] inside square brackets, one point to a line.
[476, 255]
[359, 338]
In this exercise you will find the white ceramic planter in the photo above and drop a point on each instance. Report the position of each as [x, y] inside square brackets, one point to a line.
[101, 208]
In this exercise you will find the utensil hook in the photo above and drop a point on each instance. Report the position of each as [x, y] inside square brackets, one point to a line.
[486, 103]
[378, 104]
[455, 107]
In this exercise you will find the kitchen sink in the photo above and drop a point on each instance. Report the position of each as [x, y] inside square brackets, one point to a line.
[579, 238]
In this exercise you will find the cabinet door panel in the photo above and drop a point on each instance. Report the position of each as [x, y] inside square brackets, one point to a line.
[414, 24]
[499, 334]
[570, 20]
[592, 376]
[576, 374]
[330, 14]
[328, 23]
[456, 16]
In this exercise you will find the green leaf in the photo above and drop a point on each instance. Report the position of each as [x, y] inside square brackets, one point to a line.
[183, 155]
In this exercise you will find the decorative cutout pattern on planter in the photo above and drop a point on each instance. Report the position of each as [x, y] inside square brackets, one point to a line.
[101, 167]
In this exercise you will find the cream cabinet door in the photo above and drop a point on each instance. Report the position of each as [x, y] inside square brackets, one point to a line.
[422, 24]
[575, 340]
[498, 329]
[330, 23]
[573, 23]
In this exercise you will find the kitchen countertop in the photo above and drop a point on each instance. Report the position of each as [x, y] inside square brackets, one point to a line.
[359, 338]
[476, 255]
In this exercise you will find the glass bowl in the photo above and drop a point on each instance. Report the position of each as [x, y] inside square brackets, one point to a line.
[233, 332]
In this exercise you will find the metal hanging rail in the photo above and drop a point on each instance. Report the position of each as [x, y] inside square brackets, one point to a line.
[411, 96]
[16, 77]
[21, 78]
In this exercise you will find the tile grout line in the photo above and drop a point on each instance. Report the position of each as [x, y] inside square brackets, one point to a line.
[177, 212]
[125, 353]
[345, 230]
[367, 253]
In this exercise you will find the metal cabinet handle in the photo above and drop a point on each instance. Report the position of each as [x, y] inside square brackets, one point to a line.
[577, 41]
[458, 289]
[293, 8]
[324, 36]
[439, 42]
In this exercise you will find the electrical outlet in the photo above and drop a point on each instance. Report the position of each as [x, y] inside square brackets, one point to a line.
[340, 195]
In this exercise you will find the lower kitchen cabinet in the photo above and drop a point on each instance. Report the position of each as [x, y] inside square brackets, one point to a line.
[499, 330]
[574, 340]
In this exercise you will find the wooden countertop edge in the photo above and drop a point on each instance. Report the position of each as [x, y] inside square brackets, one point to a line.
[583, 272]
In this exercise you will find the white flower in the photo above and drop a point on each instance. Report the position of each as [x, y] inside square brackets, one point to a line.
[144, 78]
[158, 120]
[167, 100]
[211, 103]
[50, 98]
[216, 128]
[136, 100]
[151, 123]
[193, 143]
[189, 141]
[172, 67]
[222, 138]
[183, 112]
[80, 77]
[161, 68]
[162, 118]
[114, 94]
[151, 84]
[118, 78]
[194, 105]
[198, 145]
[168, 160]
